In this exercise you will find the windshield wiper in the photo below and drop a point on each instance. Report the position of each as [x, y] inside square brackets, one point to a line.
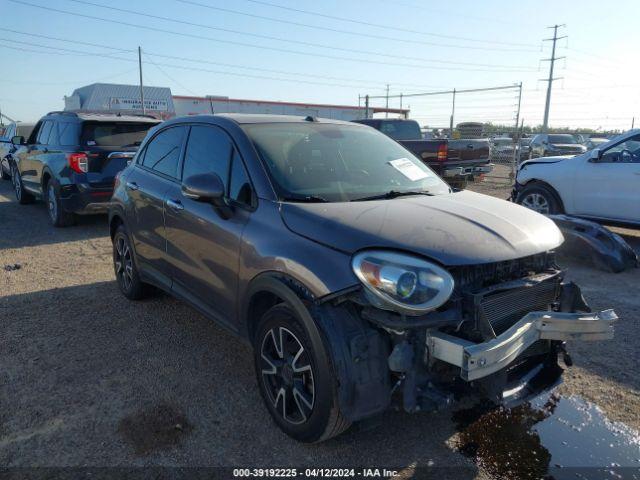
[393, 194]
[305, 199]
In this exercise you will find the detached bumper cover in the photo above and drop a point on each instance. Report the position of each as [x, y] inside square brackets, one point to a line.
[478, 360]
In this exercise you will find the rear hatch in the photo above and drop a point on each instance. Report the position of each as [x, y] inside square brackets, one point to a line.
[469, 151]
[109, 146]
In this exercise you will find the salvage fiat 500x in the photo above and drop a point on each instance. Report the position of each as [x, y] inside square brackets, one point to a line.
[360, 278]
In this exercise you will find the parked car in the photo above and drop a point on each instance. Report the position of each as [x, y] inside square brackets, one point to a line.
[595, 142]
[524, 151]
[7, 149]
[70, 160]
[454, 160]
[501, 149]
[602, 184]
[546, 144]
[358, 276]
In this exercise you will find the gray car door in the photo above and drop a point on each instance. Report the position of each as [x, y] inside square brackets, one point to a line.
[155, 172]
[202, 245]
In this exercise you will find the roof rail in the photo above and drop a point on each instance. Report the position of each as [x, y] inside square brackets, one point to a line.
[62, 112]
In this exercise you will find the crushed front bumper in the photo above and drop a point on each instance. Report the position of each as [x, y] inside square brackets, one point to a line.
[478, 360]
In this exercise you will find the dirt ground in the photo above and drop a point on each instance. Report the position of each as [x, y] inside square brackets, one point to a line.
[90, 379]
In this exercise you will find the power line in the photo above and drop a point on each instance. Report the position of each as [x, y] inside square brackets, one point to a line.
[348, 32]
[296, 52]
[299, 42]
[386, 27]
[182, 67]
[361, 82]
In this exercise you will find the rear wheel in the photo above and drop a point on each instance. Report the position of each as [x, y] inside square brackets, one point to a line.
[22, 196]
[3, 174]
[540, 198]
[296, 378]
[58, 216]
[125, 268]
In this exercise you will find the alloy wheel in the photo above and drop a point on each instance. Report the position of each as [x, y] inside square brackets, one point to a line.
[287, 375]
[124, 263]
[52, 203]
[536, 202]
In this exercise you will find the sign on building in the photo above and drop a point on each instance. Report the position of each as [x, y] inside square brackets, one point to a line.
[122, 103]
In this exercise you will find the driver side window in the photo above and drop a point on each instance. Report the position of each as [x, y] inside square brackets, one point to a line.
[625, 152]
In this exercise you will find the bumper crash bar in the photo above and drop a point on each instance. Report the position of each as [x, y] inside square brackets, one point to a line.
[478, 360]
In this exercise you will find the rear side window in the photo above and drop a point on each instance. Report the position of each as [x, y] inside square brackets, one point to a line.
[113, 134]
[208, 151]
[163, 151]
[68, 133]
[45, 131]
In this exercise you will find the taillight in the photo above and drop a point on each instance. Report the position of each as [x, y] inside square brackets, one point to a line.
[442, 153]
[79, 162]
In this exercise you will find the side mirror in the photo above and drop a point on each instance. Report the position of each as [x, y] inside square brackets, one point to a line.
[17, 140]
[595, 155]
[206, 188]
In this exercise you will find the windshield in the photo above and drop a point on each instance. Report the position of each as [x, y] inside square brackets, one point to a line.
[338, 163]
[562, 139]
[401, 129]
[502, 142]
[114, 134]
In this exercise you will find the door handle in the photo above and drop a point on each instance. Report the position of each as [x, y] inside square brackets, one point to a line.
[175, 205]
[132, 186]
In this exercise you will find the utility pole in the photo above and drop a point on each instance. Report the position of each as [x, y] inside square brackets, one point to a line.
[633, 122]
[552, 60]
[366, 106]
[453, 113]
[141, 86]
[386, 114]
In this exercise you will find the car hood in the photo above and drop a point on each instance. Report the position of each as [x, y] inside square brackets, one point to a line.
[555, 159]
[460, 228]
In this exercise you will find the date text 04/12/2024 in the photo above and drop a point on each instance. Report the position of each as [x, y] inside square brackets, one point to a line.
[314, 473]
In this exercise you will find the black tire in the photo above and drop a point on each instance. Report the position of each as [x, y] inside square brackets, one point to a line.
[124, 266]
[540, 198]
[3, 174]
[58, 216]
[22, 196]
[313, 414]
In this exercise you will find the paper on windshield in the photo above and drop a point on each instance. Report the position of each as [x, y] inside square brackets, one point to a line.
[408, 169]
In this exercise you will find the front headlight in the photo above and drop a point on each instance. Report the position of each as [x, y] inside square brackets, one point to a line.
[402, 282]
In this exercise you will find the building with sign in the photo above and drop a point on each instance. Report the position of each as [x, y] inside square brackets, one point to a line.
[158, 101]
[101, 97]
[211, 104]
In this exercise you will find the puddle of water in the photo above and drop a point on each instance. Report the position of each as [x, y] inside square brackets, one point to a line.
[154, 428]
[552, 437]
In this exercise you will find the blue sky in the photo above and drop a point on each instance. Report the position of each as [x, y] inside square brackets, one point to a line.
[411, 45]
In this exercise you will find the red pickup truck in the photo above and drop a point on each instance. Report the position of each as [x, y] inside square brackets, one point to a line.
[454, 160]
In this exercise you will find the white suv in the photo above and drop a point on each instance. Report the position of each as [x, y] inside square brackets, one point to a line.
[602, 184]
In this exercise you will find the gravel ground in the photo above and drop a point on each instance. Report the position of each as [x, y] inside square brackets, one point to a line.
[88, 377]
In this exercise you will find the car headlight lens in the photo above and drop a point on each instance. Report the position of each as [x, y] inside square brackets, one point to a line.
[402, 282]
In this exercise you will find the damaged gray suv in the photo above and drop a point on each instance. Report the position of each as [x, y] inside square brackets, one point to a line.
[359, 277]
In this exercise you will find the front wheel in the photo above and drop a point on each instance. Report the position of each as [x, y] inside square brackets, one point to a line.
[23, 197]
[540, 198]
[296, 378]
